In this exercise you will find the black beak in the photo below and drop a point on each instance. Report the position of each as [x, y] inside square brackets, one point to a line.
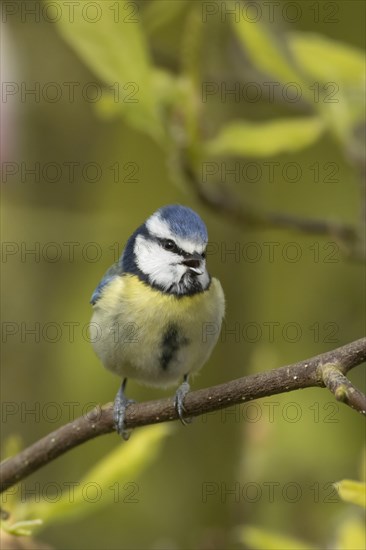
[194, 262]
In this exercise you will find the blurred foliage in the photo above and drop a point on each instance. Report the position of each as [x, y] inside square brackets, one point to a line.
[123, 462]
[351, 534]
[265, 139]
[117, 52]
[175, 81]
[259, 540]
[352, 491]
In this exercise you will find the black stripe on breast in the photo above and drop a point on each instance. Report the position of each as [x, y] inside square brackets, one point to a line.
[171, 343]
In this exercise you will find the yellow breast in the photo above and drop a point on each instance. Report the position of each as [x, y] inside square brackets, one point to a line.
[155, 337]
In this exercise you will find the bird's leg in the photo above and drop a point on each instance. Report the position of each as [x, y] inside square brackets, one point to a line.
[120, 405]
[180, 395]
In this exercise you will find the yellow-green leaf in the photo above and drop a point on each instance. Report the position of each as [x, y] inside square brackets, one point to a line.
[111, 43]
[327, 60]
[352, 491]
[261, 139]
[260, 539]
[113, 479]
[22, 528]
[264, 47]
[336, 79]
[167, 89]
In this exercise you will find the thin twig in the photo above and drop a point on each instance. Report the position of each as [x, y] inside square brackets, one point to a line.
[220, 199]
[342, 388]
[304, 374]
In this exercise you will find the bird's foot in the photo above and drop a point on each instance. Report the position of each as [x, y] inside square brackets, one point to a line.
[180, 395]
[121, 403]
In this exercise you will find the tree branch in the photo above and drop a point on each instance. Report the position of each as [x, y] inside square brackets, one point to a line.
[342, 388]
[328, 369]
[220, 199]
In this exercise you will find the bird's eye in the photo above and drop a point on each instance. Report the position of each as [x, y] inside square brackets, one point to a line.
[203, 255]
[169, 245]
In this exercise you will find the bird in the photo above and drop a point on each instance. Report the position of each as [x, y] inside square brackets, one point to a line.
[157, 313]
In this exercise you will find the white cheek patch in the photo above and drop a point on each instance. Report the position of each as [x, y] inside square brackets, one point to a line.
[160, 229]
[159, 264]
[163, 267]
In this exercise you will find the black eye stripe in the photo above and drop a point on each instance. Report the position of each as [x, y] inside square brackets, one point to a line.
[171, 246]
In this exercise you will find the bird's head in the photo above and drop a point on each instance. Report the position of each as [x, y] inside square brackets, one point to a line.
[168, 251]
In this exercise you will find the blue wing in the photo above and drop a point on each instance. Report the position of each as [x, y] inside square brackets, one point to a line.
[114, 271]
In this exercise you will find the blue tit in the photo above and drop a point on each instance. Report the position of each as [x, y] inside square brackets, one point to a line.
[157, 312]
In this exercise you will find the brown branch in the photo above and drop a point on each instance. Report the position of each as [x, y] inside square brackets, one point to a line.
[313, 372]
[342, 388]
[220, 199]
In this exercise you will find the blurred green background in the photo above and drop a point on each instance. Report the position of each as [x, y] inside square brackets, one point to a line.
[268, 102]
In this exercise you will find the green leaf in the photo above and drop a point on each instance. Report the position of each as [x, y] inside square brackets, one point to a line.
[352, 491]
[327, 60]
[265, 49]
[167, 89]
[259, 539]
[113, 479]
[114, 49]
[330, 75]
[336, 76]
[22, 528]
[261, 139]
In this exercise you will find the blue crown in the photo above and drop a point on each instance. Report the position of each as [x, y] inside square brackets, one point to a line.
[184, 222]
